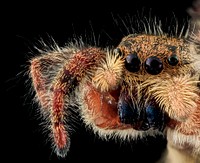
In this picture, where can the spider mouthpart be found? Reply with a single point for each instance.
(153, 118)
(173, 60)
(128, 112)
(132, 62)
(141, 116)
(153, 65)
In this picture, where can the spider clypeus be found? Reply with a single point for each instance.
(147, 85)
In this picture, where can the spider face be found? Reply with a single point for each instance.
(135, 87)
(145, 57)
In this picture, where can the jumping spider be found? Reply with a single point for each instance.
(147, 85)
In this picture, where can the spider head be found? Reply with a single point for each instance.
(156, 81)
(147, 55)
(146, 81)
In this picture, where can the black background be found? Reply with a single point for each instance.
(23, 24)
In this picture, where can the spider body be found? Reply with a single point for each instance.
(126, 92)
(147, 85)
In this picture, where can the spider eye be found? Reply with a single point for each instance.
(173, 60)
(118, 51)
(153, 65)
(132, 62)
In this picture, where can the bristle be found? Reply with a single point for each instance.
(108, 73)
(176, 95)
(184, 142)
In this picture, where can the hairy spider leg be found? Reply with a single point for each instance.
(42, 71)
(63, 88)
(191, 126)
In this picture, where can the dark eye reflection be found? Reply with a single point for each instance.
(153, 65)
(132, 62)
(173, 60)
(118, 51)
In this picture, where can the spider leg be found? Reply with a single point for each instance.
(63, 88)
(43, 69)
(185, 135)
(192, 125)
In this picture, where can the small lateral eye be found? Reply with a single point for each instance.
(173, 60)
(153, 65)
(132, 62)
(118, 51)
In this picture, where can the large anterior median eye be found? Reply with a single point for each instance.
(132, 62)
(153, 65)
